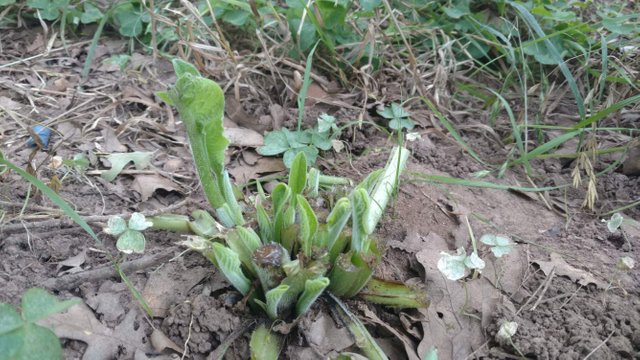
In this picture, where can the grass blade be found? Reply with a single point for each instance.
(438, 179)
(452, 130)
(364, 340)
(571, 81)
(606, 112)
(59, 201)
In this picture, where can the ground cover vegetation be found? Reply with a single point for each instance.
(543, 93)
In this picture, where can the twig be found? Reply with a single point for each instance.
(186, 342)
(219, 352)
(599, 345)
(544, 289)
(72, 281)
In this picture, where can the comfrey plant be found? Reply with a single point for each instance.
(283, 256)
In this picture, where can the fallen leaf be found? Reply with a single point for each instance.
(119, 160)
(238, 115)
(250, 157)
(160, 341)
(243, 173)
(103, 343)
(108, 305)
(244, 137)
(73, 263)
(8, 104)
(146, 185)
(169, 286)
(408, 344)
(314, 93)
(111, 143)
(564, 269)
(324, 336)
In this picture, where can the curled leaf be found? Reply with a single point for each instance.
(452, 266)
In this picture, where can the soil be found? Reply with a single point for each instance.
(560, 283)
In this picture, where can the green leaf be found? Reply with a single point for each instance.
(119, 60)
(308, 224)
(204, 224)
(38, 303)
(11, 342)
(264, 224)
(230, 199)
(130, 19)
(200, 103)
(229, 263)
(298, 174)
(7, 2)
(625, 263)
(181, 68)
(364, 340)
(621, 25)
(164, 96)
(131, 241)
(332, 12)
(297, 138)
(9, 319)
(310, 152)
(264, 344)
(473, 261)
(431, 354)
(275, 142)
(460, 9)
(321, 141)
(337, 220)
(115, 226)
(24, 340)
(244, 242)
(398, 117)
(402, 123)
(360, 203)
(80, 162)
(38, 343)
(236, 17)
(279, 196)
(274, 296)
(313, 182)
(49, 9)
(368, 5)
(137, 221)
(119, 160)
(500, 245)
(313, 288)
(396, 294)
(614, 223)
(325, 122)
(90, 14)
(452, 266)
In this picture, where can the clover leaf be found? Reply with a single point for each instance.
(398, 117)
(130, 236)
(500, 245)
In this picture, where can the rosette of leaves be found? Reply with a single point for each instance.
(290, 255)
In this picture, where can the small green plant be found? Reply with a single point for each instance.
(129, 233)
(455, 267)
(284, 256)
(21, 338)
(309, 141)
(398, 117)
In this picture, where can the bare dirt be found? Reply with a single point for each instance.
(560, 284)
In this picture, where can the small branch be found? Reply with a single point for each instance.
(72, 281)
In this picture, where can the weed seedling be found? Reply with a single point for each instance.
(21, 337)
(283, 256)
